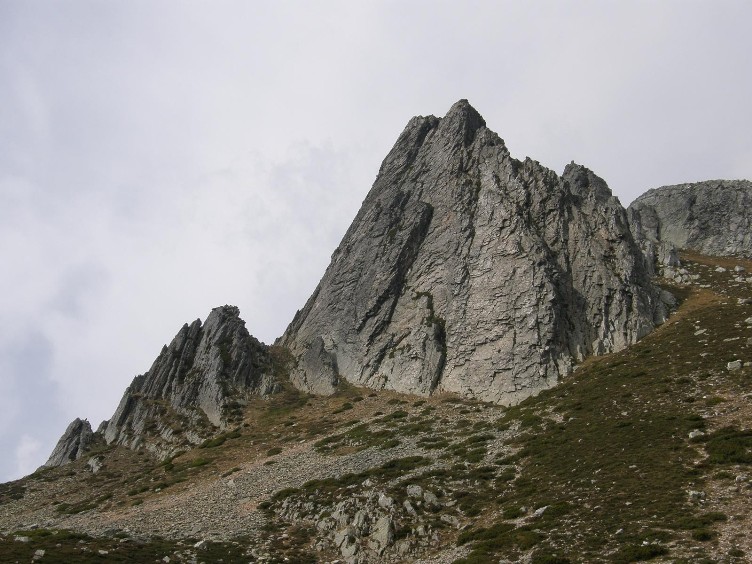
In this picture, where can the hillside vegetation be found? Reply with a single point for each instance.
(640, 455)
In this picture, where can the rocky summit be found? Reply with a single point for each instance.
(74, 443)
(469, 271)
(709, 217)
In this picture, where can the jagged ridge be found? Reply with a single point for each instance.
(196, 387)
(194, 384)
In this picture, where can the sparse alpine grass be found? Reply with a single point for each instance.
(601, 468)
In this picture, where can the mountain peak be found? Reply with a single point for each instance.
(72, 445)
(710, 217)
(424, 295)
(464, 108)
(462, 120)
(197, 377)
(584, 182)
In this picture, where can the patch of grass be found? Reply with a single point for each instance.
(513, 512)
(488, 542)
(62, 546)
(136, 491)
(471, 503)
(12, 491)
(344, 407)
(399, 414)
(703, 535)
(359, 437)
(547, 558)
(433, 442)
(639, 553)
(729, 446)
(198, 462)
(701, 521)
(281, 405)
(81, 506)
(219, 440)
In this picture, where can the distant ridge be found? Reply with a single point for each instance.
(712, 217)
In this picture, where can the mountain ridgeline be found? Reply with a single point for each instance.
(195, 388)
(464, 271)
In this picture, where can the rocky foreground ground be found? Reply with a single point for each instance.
(640, 455)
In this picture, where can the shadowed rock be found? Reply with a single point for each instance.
(72, 445)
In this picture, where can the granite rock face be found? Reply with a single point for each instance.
(195, 385)
(74, 443)
(711, 217)
(469, 271)
(195, 388)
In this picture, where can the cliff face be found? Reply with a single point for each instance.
(72, 445)
(469, 271)
(711, 217)
(194, 386)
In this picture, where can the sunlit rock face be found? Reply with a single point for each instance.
(469, 271)
(194, 383)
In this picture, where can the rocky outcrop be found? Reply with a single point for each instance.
(196, 385)
(469, 271)
(711, 217)
(74, 443)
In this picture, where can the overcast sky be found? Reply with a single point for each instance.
(158, 159)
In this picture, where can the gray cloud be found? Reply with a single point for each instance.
(28, 408)
(159, 159)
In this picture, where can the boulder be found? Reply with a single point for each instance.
(383, 534)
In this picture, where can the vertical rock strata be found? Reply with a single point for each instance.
(72, 445)
(469, 271)
(711, 217)
(194, 384)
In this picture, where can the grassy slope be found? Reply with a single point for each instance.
(607, 453)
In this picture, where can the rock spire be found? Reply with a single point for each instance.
(194, 384)
(469, 271)
(72, 445)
